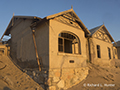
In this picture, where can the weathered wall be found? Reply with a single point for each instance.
(115, 53)
(66, 78)
(104, 60)
(61, 60)
(59, 69)
(118, 51)
(58, 79)
(42, 41)
(22, 47)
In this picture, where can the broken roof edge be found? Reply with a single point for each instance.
(27, 17)
(117, 44)
(24, 17)
(6, 29)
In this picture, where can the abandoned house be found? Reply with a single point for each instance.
(61, 43)
(101, 46)
(60, 40)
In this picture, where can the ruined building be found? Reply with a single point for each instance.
(60, 44)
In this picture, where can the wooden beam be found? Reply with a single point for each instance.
(33, 34)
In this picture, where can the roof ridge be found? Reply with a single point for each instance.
(29, 17)
(59, 13)
(95, 27)
(93, 30)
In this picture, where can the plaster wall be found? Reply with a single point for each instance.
(62, 60)
(118, 51)
(22, 47)
(115, 53)
(104, 60)
(42, 41)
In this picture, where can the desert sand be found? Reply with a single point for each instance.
(12, 78)
(99, 78)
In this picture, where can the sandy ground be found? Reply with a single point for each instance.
(99, 78)
(12, 78)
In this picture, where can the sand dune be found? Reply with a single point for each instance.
(12, 78)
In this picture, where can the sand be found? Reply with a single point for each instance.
(99, 78)
(12, 78)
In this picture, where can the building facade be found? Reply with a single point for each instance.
(61, 45)
(101, 47)
(58, 42)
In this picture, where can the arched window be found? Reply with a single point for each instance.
(69, 43)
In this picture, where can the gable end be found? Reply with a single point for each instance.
(101, 33)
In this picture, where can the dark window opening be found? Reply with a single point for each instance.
(68, 43)
(2, 51)
(98, 51)
(109, 53)
(71, 22)
(71, 61)
(67, 46)
(60, 44)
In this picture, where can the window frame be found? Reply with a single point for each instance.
(63, 43)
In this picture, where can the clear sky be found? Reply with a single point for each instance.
(92, 12)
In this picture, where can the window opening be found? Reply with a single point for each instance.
(1, 50)
(68, 43)
(98, 51)
(109, 53)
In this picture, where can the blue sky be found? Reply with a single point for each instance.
(92, 12)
